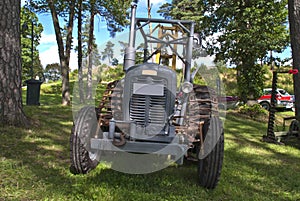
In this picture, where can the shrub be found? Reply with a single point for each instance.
(253, 111)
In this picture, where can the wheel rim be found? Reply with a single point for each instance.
(265, 106)
(93, 154)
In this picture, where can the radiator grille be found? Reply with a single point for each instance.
(145, 109)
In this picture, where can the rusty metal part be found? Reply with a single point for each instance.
(121, 142)
(107, 108)
(201, 137)
(203, 105)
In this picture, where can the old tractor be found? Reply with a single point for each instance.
(151, 118)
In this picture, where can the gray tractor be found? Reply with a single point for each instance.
(152, 118)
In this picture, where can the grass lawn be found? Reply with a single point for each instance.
(34, 165)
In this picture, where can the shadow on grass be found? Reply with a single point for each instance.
(40, 154)
(252, 170)
(258, 165)
(249, 133)
(258, 173)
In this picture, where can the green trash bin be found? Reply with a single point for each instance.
(33, 92)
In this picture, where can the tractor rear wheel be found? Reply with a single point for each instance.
(207, 129)
(210, 161)
(85, 127)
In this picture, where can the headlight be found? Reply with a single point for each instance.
(187, 87)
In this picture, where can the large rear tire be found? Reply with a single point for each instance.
(211, 159)
(83, 158)
(207, 129)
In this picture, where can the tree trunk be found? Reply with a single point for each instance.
(65, 71)
(79, 33)
(294, 20)
(90, 53)
(11, 110)
(64, 57)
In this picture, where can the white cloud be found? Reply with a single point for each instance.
(50, 56)
(49, 51)
(47, 38)
(154, 2)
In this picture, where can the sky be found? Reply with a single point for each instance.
(48, 47)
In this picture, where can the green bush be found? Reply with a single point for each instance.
(54, 87)
(253, 110)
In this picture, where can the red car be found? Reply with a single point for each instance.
(283, 99)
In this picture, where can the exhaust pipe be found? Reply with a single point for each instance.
(129, 57)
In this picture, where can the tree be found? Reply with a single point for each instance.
(253, 28)
(79, 35)
(11, 109)
(64, 53)
(294, 19)
(185, 9)
(112, 11)
(123, 47)
(115, 62)
(108, 52)
(52, 71)
(90, 50)
(66, 10)
(28, 19)
(247, 31)
(91, 43)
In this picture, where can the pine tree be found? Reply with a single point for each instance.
(11, 110)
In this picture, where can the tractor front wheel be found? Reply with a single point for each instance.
(83, 157)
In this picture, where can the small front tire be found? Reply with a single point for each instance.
(83, 158)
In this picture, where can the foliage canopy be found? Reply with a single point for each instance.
(240, 32)
(29, 19)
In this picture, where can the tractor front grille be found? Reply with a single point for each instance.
(148, 109)
(145, 110)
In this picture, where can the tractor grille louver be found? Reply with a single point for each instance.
(146, 109)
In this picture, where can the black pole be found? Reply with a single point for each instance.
(32, 39)
(270, 137)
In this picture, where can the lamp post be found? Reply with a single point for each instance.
(33, 86)
(32, 39)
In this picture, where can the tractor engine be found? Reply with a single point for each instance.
(149, 100)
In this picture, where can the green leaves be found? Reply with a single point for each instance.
(28, 21)
(108, 52)
(247, 31)
(254, 29)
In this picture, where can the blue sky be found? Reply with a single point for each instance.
(48, 46)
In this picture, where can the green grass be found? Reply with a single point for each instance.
(35, 163)
(50, 93)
